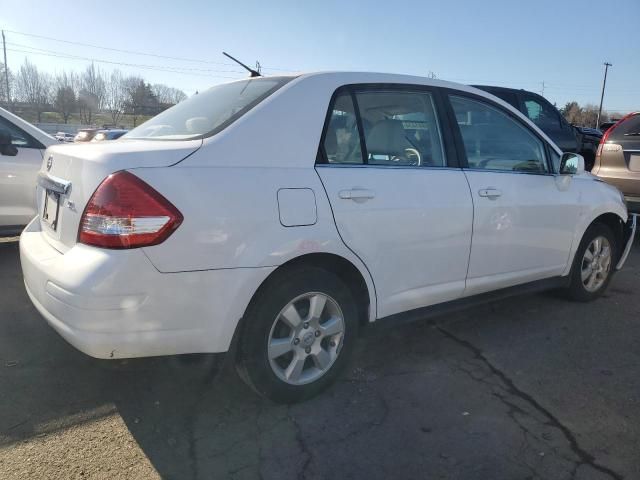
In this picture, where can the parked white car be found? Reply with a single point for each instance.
(281, 214)
(64, 137)
(21, 148)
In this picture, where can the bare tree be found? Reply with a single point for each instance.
(33, 87)
(590, 115)
(65, 100)
(115, 96)
(583, 116)
(87, 106)
(91, 94)
(177, 96)
(167, 96)
(3, 84)
(162, 92)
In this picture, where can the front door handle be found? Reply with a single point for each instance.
(357, 194)
(491, 193)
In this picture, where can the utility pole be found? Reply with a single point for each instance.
(604, 83)
(542, 92)
(6, 72)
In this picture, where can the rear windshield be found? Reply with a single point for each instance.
(208, 112)
(628, 129)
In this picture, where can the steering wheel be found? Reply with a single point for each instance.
(411, 156)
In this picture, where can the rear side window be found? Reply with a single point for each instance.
(629, 129)
(342, 139)
(495, 141)
(400, 128)
(541, 113)
(508, 97)
(208, 112)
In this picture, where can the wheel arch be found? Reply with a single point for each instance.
(352, 276)
(612, 220)
(616, 224)
(358, 281)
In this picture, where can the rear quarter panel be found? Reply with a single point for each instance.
(231, 218)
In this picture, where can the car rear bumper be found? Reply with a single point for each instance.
(629, 236)
(115, 304)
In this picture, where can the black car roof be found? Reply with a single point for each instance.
(506, 89)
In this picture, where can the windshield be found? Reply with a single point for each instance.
(208, 112)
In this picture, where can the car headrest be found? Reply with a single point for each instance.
(387, 137)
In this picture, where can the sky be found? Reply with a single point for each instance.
(518, 44)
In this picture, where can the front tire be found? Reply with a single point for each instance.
(297, 334)
(593, 265)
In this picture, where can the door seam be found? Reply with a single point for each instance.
(473, 221)
(335, 223)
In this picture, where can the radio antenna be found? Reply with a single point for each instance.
(252, 72)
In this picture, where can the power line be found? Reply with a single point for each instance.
(55, 52)
(132, 52)
(146, 67)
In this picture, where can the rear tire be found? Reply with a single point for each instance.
(297, 334)
(593, 265)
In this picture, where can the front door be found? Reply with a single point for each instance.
(524, 215)
(397, 202)
(18, 178)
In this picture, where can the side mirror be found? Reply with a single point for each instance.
(6, 147)
(571, 164)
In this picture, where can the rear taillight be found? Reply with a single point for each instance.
(125, 212)
(609, 131)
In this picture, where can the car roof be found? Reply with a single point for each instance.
(31, 129)
(506, 89)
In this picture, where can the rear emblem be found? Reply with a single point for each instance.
(49, 162)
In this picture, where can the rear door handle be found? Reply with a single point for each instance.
(491, 193)
(356, 194)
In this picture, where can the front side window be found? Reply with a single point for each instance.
(400, 128)
(342, 138)
(18, 137)
(542, 114)
(495, 141)
(208, 112)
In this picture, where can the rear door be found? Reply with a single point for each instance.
(399, 201)
(18, 177)
(524, 217)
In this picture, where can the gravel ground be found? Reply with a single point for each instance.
(525, 388)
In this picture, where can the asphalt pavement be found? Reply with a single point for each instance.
(533, 387)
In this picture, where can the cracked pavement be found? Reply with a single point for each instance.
(533, 387)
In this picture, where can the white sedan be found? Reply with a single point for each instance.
(282, 214)
(21, 148)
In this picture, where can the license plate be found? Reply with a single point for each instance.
(51, 209)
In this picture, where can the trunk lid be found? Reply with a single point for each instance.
(82, 167)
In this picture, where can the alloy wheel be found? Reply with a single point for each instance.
(596, 264)
(306, 338)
